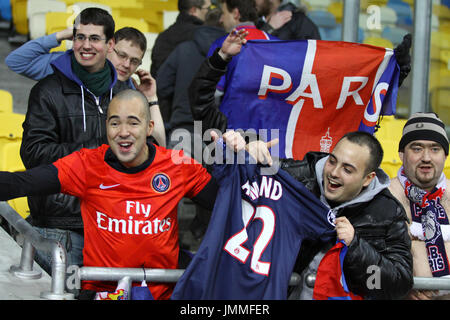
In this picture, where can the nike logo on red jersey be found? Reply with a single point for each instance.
(103, 187)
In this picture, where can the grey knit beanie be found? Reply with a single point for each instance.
(424, 126)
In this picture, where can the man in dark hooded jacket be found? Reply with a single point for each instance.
(285, 21)
(192, 14)
(67, 112)
(177, 72)
(371, 220)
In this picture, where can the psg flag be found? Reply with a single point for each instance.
(309, 93)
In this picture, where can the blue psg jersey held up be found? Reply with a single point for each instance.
(254, 236)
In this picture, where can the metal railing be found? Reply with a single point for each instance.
(422, 283)
(32, 240)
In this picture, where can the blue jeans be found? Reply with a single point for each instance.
(70, 240)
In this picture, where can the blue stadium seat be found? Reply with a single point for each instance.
(5, 10)
(403, 11)
(394, 34)
(335, 33)
(323, 19)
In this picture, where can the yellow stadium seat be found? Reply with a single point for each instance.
(10, 141)
(11, 161)
(19, 16)
(57, 21)
(378, 2)
(440, 102)
(6, 101)
(83, 5)
(120, 3)
(154, 18)
(160, 6)
(379, 42)
(440, 39)
(442, 12)
(11, 127)
(445, 27)
(318, 4)
(139, 24)
(336, 8)
(389, 135)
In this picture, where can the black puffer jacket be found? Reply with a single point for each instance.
(300, 27)
(183, 29)
(381, 236)
(381, 233)
(176, 73)
(58, 122)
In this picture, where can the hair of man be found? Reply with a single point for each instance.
(375, 149)
(185, 5)
(97, 17)
(247, 9)
(131, 34)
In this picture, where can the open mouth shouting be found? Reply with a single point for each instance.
(125, 146)
(332, 185)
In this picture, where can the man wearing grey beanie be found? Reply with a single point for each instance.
(421, 187)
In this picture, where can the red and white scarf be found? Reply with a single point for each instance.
(429, 221)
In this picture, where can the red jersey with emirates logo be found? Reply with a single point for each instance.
(130, 220)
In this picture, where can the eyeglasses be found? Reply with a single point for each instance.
(124, 57)
(92, 38)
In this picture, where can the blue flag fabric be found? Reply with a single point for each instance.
(254, 235)
(309, 93)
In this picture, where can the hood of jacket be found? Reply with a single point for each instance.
(184, 17)
(204, 36)
(64, 65)
(380, 182)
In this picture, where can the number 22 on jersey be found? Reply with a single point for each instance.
(234, 245)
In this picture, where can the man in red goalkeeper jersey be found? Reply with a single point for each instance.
(129, 192)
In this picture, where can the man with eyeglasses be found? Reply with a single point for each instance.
(67, 112)
(33, 60)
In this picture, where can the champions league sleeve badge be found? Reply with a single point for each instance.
(160, 182)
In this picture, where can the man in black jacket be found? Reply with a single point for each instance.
(369, 219)
(67, 112)
(192, 14)
(285, 21)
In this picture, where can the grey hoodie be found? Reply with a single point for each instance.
(380, 182)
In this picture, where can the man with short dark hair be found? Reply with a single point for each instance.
(34, 60)
(129, 190)
(422, 188)
(237, 15)
(285, 20)
(192, 14)
(369, 220)
(66, 112)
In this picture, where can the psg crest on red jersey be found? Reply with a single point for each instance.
(160, 182)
